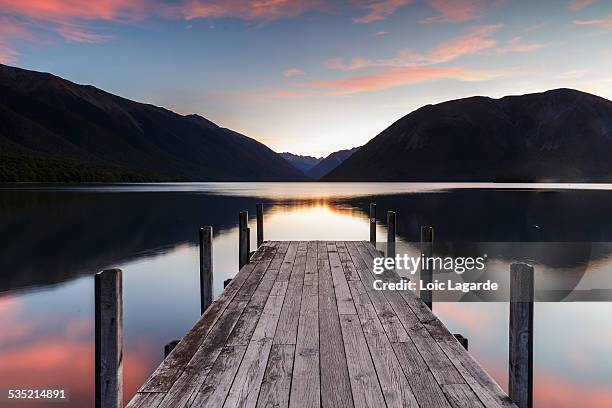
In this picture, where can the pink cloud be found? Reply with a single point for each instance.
(477, 40)
(289, 94)
(395, 77)
(576, 5)
(601, 22)
(459, 10)
(380, 10)
(11, 31)
(516, 44)
(247, 9)
(75, 33)
(292, 72)
(72, 9)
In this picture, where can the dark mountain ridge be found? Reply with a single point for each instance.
(561, 135)
(330, 162)
(302, 163)
(52, 129)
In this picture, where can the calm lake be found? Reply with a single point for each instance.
(54, 239)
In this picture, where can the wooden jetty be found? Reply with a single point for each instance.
(301, 325)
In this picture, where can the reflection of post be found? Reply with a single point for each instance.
(260, 222)
(373, 223)
(520, 375)
(243, 234)
(391, 234)
(426, 266)
(108, 287)
(206, 267)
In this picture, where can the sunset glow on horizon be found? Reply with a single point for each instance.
(312, 76)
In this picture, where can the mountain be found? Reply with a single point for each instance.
(52, 129)
(561, 135)
(330, 162)
(302, 163)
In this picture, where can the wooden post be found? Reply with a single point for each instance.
(108, 287)
(391, 234)
(373, 223)
(206, 268)
(243, 251)
(462, 340)
(520, 375)
(248, 245)
(426, 269)
(260, 223)
(169, 347)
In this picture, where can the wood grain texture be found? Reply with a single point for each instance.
(335, 383)
(109, 339)
(302, 326)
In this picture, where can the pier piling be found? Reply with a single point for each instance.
(108, 286)
(206, 268)
(520, 375)
(391, 234)
(373, 223)
(243, 238)
(426, 268)
(260, 225)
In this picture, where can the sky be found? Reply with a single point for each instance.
(312, 76)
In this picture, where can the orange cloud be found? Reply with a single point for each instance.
(576, 5)
(602, 22)
(396, 77)
(479, 39)
(459, 10)
(380, 10)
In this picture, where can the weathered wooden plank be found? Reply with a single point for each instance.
(288, 261)
(395, 387)
(311, 274)
(171, 368)
(146, 400)
(392, 325)
(488, 391)
(364, 382)
(343, 294)
(286, 332)
(461, 396)
(214, 390)
(424, 386)
(439, 364)
(242, 333)
(183, 390)
(247, 383)
(276, 384)
(305, 386)
(335, 383)
(347, 263)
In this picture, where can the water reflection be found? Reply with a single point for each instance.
(53, 239)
